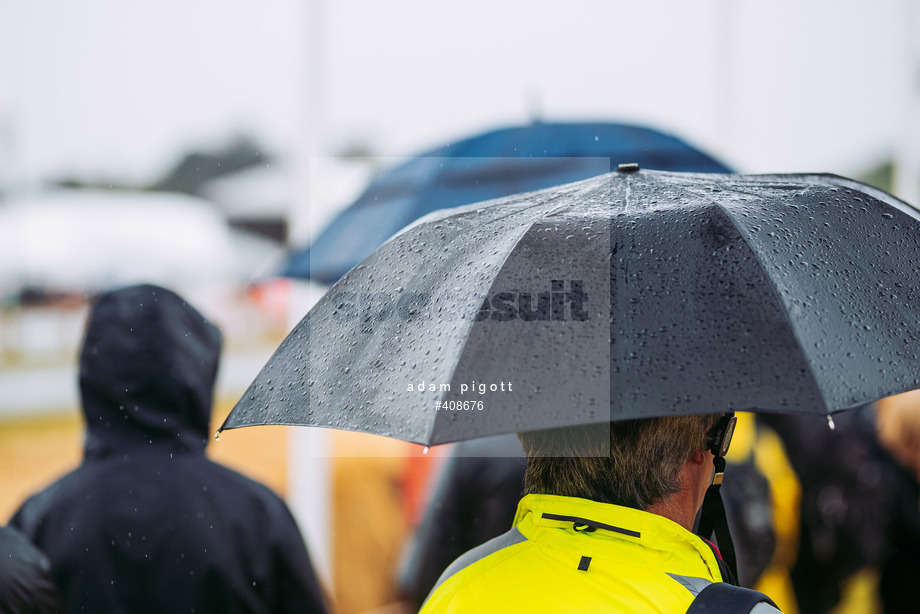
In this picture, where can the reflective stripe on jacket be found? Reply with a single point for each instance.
(566, 554)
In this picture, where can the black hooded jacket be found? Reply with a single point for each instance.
(147, 523)
(26, 586)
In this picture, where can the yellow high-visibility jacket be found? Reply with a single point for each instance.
(566, 554)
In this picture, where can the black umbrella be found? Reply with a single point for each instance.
(633, 294)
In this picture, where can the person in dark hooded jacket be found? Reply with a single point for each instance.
(147, 523)
(26, 586)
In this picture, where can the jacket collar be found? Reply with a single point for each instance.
(612, 530)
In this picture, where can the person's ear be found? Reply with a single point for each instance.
(698, 457)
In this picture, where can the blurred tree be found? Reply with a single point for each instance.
(190, 173)
(198, 167)
(881, 175)
(72, 183)
(358, 149)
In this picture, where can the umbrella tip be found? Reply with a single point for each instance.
(830, 422)
(629, 167)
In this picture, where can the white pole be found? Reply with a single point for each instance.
(724, 104)
(907, 157)
(309, 467)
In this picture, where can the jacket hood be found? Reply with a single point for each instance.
(147, 370)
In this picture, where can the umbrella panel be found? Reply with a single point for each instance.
(544, 327)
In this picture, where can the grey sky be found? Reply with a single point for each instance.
(112, 88)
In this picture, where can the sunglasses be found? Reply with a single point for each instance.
(719, 436)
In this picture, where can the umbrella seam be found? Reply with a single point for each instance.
(778, 296)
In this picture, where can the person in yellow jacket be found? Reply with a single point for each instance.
(605, 526)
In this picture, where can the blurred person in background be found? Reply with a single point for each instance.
(147, 523)
(472, 500)
(859, 507)
(26, 586)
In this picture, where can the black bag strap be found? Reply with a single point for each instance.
(721, 597)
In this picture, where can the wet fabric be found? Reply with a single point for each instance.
(579, 555)
(26, 585)
(147, 523)
(635, 294)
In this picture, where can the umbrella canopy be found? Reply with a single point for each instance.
(490, 165)
(634, 294)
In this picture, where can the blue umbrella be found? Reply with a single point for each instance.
(490, 165)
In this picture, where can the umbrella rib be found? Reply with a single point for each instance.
(778, 297)
(825, 179)
(438, 215)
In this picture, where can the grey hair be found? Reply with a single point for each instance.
(634, 463)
